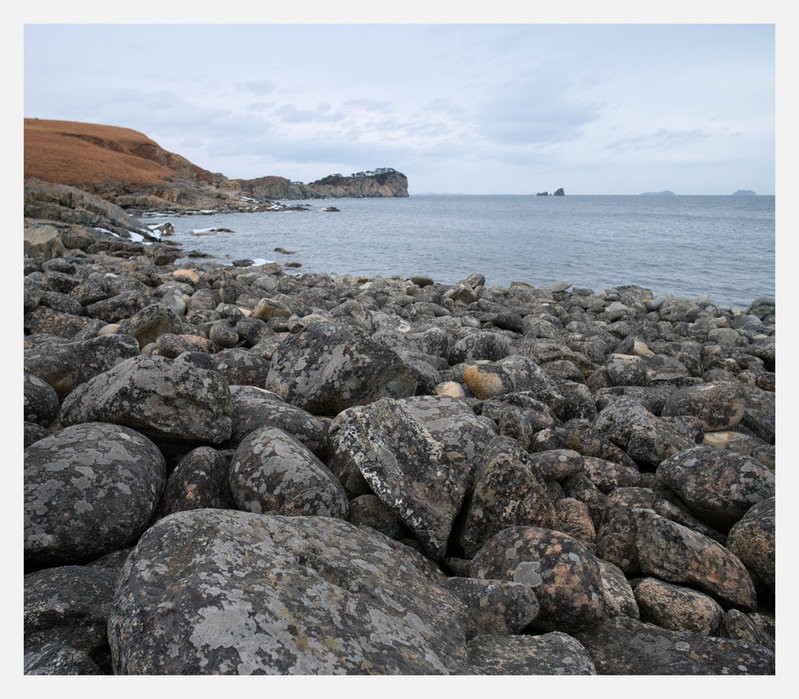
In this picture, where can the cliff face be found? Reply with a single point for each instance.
(129, 169)
(383, 182)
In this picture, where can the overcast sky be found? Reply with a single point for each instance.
(471, 108)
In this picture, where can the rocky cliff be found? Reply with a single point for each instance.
(132, 171)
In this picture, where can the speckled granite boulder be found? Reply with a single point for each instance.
(495, 606)
(564, 574)
(675, 553)
(553, 653)
(678, 608)
(753, 540)
(68, 605)
(719, 486)
(253, 407)
(508, 492)
(642, 435)
(159, 397)
(271, 471)
(199, 480)
(224, 592)
(58, 659)
(624, 646)
(56, 363)
(719, 405)
(626, 370)
(609, 475)
(619, 596)
(405, 464)
(331, 366)
(89, 489)
(481, 344)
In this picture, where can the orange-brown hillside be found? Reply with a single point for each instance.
(93, 155)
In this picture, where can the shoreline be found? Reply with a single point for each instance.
(421, 477)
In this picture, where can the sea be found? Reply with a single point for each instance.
(722, 247)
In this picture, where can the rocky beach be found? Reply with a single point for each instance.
(250, 469)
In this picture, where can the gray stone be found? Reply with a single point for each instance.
(554, 653)
(89, 490)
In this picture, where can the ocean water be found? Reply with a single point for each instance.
(720, 246)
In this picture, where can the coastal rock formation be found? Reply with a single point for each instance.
(243, 469)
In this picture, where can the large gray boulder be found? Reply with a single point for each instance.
(225, 592)
(89, 489)
(554, 653)
(331, 366)
(162, 398)
(624, 646)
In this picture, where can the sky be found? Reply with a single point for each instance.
(477, 108)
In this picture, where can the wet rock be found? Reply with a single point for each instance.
(89, 489)
(563, 573)
(675, 553)
(678, 608)
(553, 653)
(279, 595)
(271, 471)
(161, 398)
(624, 646)
(718, 486)
(330, 366)
(199, 480)
(753, 540)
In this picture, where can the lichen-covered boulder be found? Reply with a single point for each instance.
(642, 435)
(199, 480)
(507, 492)
(89, 489)
(563, 573)
(402, 461)
(331, 366)
(554, 653)
(270, 471)
(626, 370)
(241, 367)
(226, 592)
(609, 475)
(624, 646)
(495, 606)
(619, 596)
(253, 407)
(370, 511)
(68, 605)
(162, 398)
(56, 363)
(720, 405)
(719, 486)
(675, 553)
(753, 540)
(678, 608)
(40, 401)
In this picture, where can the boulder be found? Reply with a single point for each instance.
(554, 653)
(624, 646)
(719, 405)
(282, 596)
(199, 480)
(563, 573)
(753, 539)
(40, 401)
(718, 486)
(159, 397)
(331, 366)
(271, 471)
(678, 608)
(89, 489)
(58, 659)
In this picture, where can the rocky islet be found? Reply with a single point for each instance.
(243, 470)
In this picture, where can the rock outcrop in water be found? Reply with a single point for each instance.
(247, 471)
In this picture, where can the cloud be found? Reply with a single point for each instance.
(662, 139)
(257, 87)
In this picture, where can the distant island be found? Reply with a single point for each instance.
(664, 193)
(744, 193)
(558, 193)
